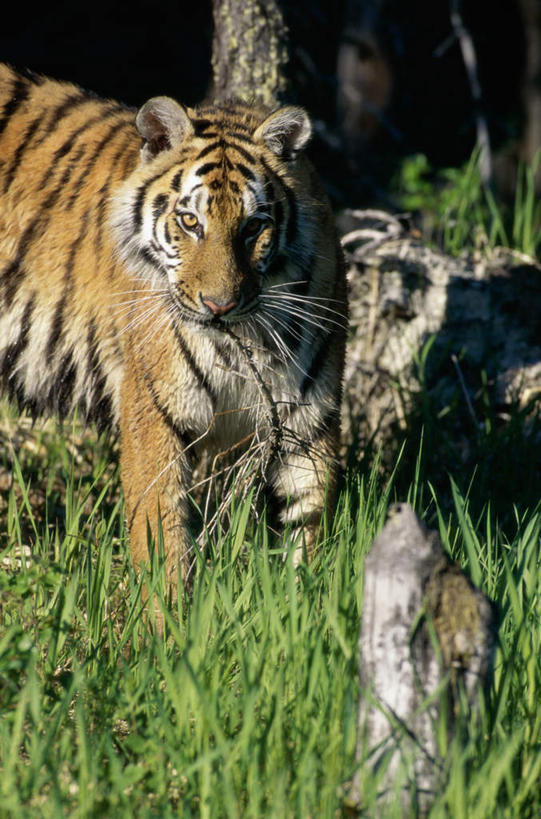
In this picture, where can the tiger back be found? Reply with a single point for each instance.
(175, 274)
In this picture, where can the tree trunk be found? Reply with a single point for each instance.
(249, 51)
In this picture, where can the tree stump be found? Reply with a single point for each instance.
(427, 638)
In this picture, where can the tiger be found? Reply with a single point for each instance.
(174, 274)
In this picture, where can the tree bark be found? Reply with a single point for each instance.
(249, 51)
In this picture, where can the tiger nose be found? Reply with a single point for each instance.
(219, 309)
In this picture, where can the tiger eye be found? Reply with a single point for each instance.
(253, 227)
(189, 220)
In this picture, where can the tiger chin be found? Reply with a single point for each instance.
(175, 274)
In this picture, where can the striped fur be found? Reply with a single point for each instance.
(189, 292)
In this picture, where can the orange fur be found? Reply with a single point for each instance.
(182, 292)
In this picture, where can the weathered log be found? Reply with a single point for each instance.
(427, 639)
(481, 313)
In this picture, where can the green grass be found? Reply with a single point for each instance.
(246, 706)
(459, 211)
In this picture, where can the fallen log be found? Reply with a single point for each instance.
(478, 313)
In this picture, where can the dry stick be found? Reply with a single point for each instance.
(272, 412)
(455, 361)
(470, 62)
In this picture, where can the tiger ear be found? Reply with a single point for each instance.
(286, 131)
(163, 124)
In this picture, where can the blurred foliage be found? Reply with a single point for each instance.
(456, 210)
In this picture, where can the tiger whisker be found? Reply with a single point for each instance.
(286, 284)
(280, 344)
(141, 318)
(304, 314)
(312, 300)
(138, 290)
(151, 333)
(285, 325)
(138, 300)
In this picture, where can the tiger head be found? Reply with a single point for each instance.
(217, 209)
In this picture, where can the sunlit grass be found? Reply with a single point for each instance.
(247, 704)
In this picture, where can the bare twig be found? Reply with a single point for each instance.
(470, 62)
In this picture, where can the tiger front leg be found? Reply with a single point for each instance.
(304, 488)
(156, 473)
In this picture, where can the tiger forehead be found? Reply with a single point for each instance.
(221, 191)
(236, 116)
(220, 170)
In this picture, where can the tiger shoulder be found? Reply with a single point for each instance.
(174, 273)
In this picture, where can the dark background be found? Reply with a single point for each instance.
(134, 51)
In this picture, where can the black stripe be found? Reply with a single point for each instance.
(278, 214)
(186, 199)
(158, 204)
(150, 258)
(276, 265)
(57, 324)
(68, 144)
(318, 359)
(103, 201)
(245, 171)
(240, 150)
(207, 167)
(104, 114)
(63, 394)
(209, 148)
(236, 135)
(201, 125)
(137, 213)
(128, 166)
(13, 273)
(198, 374)
(184, 435)
(89, 163)
(166, 233)
(291, 228)
(56, 328)
(12, 277)
(100, 407)
(19, 94)
(13, 351)
(66, 107)
(176, 181)
(17, 157)
(35, 79)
